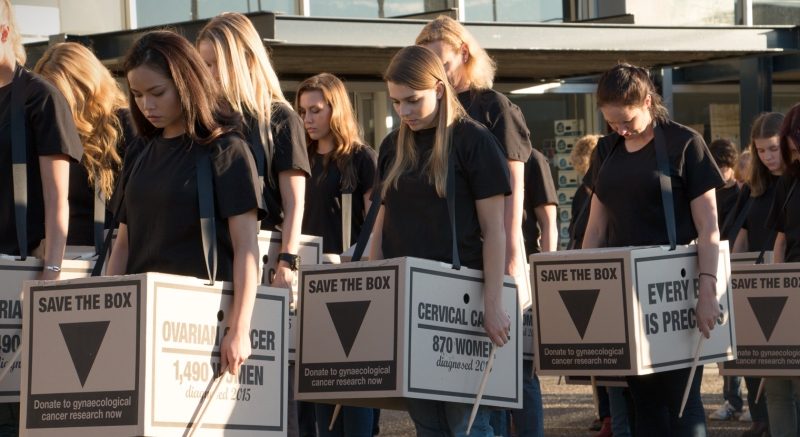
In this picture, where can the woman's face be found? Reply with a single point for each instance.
(416, 108)
(157, 99)
(453, 60)
(209, 56)
(628, 121)
(769, 153)
(316, 114)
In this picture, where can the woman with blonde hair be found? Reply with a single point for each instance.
(233, 51)
(99, 110)
(435, 138)
(340, 165)
(471, 72)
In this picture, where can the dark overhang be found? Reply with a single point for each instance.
(358, 48)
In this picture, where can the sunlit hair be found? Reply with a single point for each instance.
(206, 114)
(581, 154)
(420, 69)
(629, 85)
(741, 172)
(479, 68)
(246, 76)
(766, 125)
(790, 129)
(14, 37)
(95, 99)
(344, 127)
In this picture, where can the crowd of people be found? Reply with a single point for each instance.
(208, 120)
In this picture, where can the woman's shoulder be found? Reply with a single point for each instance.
(678, 132)
(489, 98)
(282, 113)
(363, 151)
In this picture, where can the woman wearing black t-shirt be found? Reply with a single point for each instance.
(179, 114)
(413, 163)
(627, 211)
(783, 394)
(234, 52)
(340, 163)
(100, 112)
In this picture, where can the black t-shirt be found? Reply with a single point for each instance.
(503, 118)
(539, 190)
(416, 220)
(160, 204)
(289, 153)
(759, 237)
(629, 188)
(787, 219)
(50, 130)
(81, 194)
(578, 222)
(323, 207)
(726, 200)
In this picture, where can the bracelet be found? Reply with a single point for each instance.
(53, 268)
(714, 277)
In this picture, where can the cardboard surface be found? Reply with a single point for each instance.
(568, 127)
(564, 144)
(767, 304)
(562, 161)
(136, 355)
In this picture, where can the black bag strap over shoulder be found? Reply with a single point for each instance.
(369, 220)
(760, 259)
(731, 230)
(19, 161)
(205, 198)
(666, 185)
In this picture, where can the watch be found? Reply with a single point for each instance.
(292, 260)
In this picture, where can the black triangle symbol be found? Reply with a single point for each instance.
(580, 306)
(767, 310)
(83, 342)
(347, 319)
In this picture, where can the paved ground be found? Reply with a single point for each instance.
(568, 410)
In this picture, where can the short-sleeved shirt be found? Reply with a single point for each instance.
(539, 191)
(628, 185)
(759, 237)
(726, 200)
(416, 220)
(784, 215)
(82, 195)
(503, 118)
(323, 207)
(160, 205)
(289, 153)
(50, 130)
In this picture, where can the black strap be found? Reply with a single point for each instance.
(369, 223)
(733, 232)
(97, 270)
(19, 162)
(205, 198)
(760, 259)
(666, 185)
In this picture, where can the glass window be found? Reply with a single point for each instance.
(514, 10)
(210, 8)
(771, 12)
(155, 12)
(373, 8)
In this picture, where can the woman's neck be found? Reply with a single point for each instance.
(636, 142)
(325, 145)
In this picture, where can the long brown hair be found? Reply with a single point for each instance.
(206, 114)
(790, 128)
(629, 85)
(420, 69)
(346, 131)
(14, 37)
(766, 125)
(95, 99)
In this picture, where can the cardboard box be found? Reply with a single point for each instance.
(624, 311)
(568, 127)
(767, 306)
(135, 355)
(564, 213)
(567, 178)
(374, 332)
(563, 230)
(750, 257)
(565, 195)
(564, 144)
(13, 274)
(600, 381)
(562, 161)
(269, 246)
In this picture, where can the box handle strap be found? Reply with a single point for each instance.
(205, 199)
(19, 162)
(760, 259)
(666, 185)
(347, 219)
